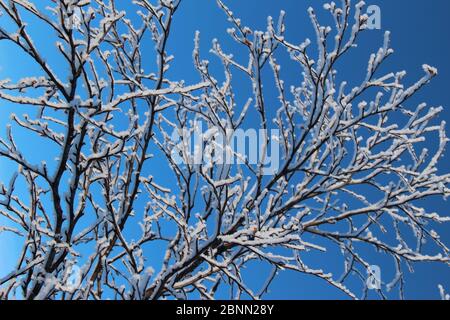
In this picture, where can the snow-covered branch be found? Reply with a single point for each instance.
(347, 178)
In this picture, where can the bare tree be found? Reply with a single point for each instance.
(348, 176)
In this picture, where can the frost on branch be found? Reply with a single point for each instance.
(349, 180)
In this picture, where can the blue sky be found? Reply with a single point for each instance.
(420, 34)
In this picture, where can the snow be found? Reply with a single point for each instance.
(115, 137)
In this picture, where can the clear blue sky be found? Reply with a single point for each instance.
(420, 34)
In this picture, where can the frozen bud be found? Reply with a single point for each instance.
(430, 70)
